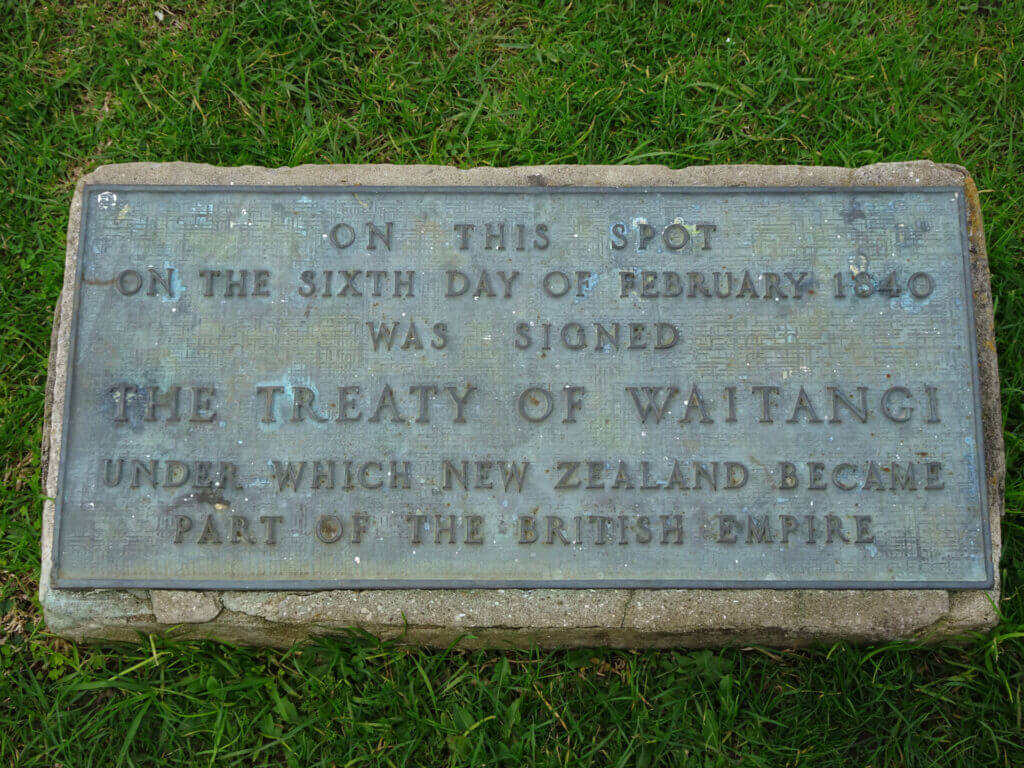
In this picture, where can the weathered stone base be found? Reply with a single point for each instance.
(545, 617)
(520, 618)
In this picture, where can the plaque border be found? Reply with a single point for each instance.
(283, 585)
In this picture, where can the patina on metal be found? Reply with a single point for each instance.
(306, 388)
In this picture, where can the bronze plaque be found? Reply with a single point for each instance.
(324, 387)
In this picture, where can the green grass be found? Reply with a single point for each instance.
(275, 83)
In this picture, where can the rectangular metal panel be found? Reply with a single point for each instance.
(499, 387)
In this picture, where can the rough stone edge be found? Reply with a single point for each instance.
(549, 618)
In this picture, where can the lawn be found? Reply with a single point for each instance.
(282, 83)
